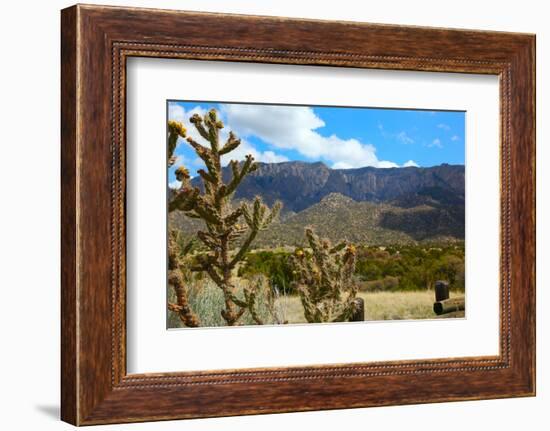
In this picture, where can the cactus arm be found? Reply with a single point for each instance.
(233, 217)
(175, 279)
(250, 299)
(256, 222)
(231, 144)
(196, 120)
(175, 130)
(206, 177)
(238, 174)
(184, 200)
(207, 157)
(172, 142)
(243, 249)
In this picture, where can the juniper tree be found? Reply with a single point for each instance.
(324, 279)
(230, 231)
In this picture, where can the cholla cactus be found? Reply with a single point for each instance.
(325, 279)
(226, 237)
(177, 251)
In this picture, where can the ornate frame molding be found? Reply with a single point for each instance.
(96, 41)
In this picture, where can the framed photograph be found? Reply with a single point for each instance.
(264, 215)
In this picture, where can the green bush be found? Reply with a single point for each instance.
(275, 265)
(395, 268)
(415, 266)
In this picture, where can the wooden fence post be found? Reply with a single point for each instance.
(441, 290)
(449, 305)
(359, 313)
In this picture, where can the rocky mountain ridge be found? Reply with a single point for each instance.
(366, 205)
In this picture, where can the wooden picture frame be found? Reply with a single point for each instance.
(95, 43)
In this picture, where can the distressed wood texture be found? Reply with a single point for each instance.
(95, 43)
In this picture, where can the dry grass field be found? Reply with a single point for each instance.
(378, 306)
(207, 301)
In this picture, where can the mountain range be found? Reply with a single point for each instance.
(365, 205)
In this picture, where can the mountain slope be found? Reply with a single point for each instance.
(339, 217)
(299, 185)
(367, 205)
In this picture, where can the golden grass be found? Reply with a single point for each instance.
(208, 301)
(378, 306)
(398, 305)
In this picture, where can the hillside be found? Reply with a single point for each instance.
(367, 205)
(298, 185)
(339, 217)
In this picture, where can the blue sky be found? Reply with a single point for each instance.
(341, 137)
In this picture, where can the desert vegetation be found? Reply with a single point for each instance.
(396, 268)
(324, 279)
(225, 238)
(219, 274)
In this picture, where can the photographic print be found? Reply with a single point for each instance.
(287, 214)
(291, 208)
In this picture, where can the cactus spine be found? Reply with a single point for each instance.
(325, 279)
(225, 238)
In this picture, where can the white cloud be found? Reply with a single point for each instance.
(246, 148)
(404, 138)
(401, 137)
(287, 128)
(455, 138)
(444, 126)
(271, 157)
(436, 143)
(174, 184)
(178, 113)
(294, 128)
(342, 165)
(180, 160)
(381, 164)
(385, 164)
